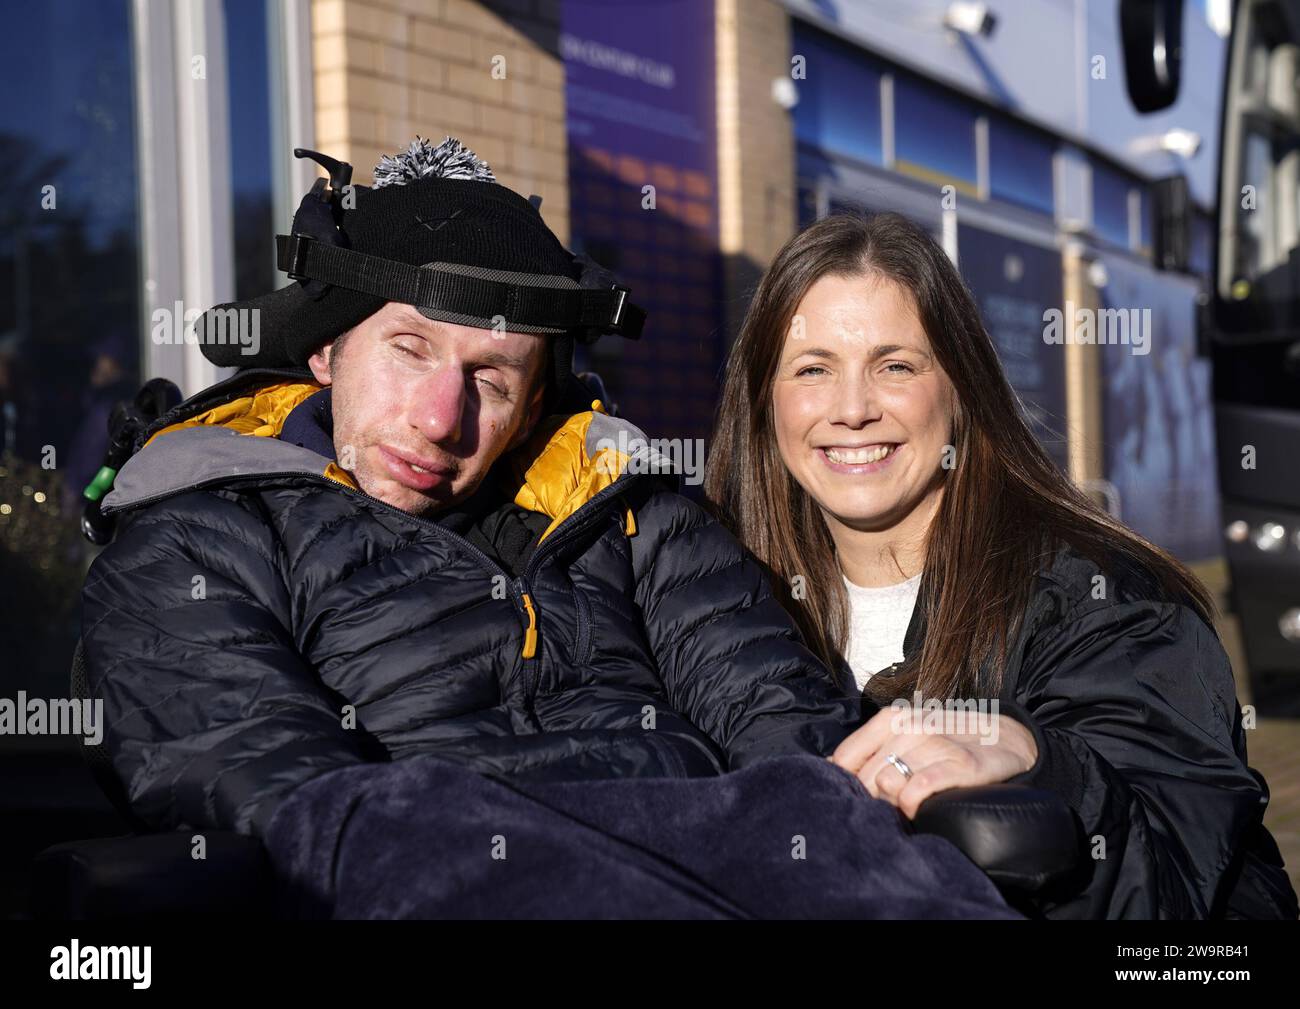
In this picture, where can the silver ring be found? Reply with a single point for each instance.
(900, 764)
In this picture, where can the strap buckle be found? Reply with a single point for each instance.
(291, 253)
(621, 295)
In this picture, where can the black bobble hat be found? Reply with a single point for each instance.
(438, 232)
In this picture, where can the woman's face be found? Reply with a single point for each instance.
(861, 408)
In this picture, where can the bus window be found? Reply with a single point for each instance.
(1257, 278)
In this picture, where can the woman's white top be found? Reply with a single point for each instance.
(878, 619)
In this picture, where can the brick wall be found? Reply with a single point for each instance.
(755, 145)
(386, 70)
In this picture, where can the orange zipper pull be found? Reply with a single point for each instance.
(530, 635)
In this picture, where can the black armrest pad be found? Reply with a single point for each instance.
(152, 874)
(1024, 838)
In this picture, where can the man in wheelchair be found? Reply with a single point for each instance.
(388, 602)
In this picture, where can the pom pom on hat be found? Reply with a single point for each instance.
(422, 160)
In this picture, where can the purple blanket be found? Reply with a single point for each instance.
(788, 837)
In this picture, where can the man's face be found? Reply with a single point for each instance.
(422, 409)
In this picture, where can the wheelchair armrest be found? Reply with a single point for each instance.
(150, 875)
(1025, 839)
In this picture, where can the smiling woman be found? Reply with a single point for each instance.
(861, 353)
(863, 338)
(871, 453)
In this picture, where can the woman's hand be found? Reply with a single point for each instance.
(988, 748)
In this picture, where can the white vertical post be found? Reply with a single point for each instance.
(203, 144)
(823, 197)
(158, 196)
(949, 225)
(293, 114)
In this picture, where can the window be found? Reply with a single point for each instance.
(839, 98)
(934, 135)
(70, 333)
(1014, 284)
(1141, 228)
(249, 85)
(1201, 255)
(1020, 165)
(1111, 206)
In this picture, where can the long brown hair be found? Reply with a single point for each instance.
(1005, 506)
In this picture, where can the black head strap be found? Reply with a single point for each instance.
(581, 309)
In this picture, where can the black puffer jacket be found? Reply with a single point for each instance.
(259, 621)
(1132, 704)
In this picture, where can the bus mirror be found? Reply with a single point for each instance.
(1152, 33)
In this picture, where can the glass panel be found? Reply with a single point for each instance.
(1110, 191)
(1015, 283)
(1145, 209)
(934, 135)
(69, 310)
(1201, 257)
(250, 147)
(1259, 264)
(1020, 165)
(1157, 414)
(839, 99)
(623, 133)
(1265, 242)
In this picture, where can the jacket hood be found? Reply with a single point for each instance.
(566, 463)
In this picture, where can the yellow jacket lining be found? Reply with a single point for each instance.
(552, 473)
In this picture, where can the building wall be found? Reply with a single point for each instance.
(1056, 41)
(387, 70)
(641, 95)
(755, 145)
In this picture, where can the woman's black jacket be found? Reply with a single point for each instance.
(1131, 701)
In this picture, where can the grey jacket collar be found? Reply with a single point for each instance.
(204, 456)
